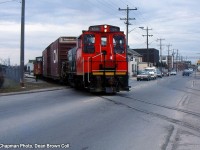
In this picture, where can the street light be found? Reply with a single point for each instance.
(135, 28)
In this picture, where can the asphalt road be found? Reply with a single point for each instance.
(163, 114)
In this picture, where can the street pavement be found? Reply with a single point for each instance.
(162, 114)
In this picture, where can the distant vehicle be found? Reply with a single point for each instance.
(143, 75)
(152, 71)
(159, 74)
(173, 72)
(165, 73)
(191, 69)
(186, 72)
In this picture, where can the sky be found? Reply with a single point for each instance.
(177, 22)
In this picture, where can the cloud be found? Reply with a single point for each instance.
(176, 21)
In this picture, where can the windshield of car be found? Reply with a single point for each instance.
(144, 72)
(150, 70)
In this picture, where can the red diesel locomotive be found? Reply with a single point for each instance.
(99, 62)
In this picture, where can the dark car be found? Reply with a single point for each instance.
(144, 75)
(165, 73)
(186, 72)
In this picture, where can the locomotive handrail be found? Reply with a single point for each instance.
(100, 51)
(89, 69)
(111, 50)
(97, 55)
(121, 55)
(83, 71)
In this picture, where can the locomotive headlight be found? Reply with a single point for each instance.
(105, 28)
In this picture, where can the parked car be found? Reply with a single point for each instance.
(144, 75)
(165, 73)
(152, 71)
(186, 72)
(159, 74)
(173, 72)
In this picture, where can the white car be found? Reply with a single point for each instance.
(152, 71)
(173, 72)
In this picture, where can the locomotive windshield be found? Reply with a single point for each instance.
(119, 44)
(89, 40)
(103, 41)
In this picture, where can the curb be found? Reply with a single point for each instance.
(33, 91)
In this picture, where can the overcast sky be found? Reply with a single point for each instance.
(176, 21)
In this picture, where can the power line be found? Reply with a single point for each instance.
(7, 1)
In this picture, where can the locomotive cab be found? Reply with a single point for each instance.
(100, 60)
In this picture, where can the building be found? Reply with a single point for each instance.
(29, 66)
(167, 61)
(133, 60)
(198, 65)
(151, 56)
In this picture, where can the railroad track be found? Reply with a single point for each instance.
(158, 115)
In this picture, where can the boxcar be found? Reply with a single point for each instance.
(55, 55)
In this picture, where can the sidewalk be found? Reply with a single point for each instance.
(196, 81)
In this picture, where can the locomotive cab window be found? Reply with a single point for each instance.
(89, 41)
(103, 41)
(119, 44)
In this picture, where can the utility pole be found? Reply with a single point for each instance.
(147, 35)
(160, 52)
(173, 53)
(168, 56)
(177, 60)
(22, 45)
(127, 23)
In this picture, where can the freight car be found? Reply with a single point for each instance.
(38, 67)
(54, 56)
(99, 62)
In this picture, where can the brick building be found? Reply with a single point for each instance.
(152, 54)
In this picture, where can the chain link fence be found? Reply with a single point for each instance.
(13, 73)
(1, 76)
(9, 72)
